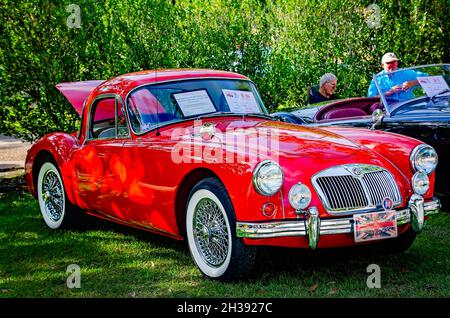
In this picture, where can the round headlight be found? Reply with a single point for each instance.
(424, 158)
(299, 196)
(420, 183)
(267, 178)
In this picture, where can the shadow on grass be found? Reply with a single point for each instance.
(113, 258)
(118, 261)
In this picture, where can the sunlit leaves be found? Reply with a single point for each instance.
(284, 46)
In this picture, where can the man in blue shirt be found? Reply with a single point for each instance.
(396, 86)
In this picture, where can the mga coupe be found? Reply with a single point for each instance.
(421, 112)
(193, 154)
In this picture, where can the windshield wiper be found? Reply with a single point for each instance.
(221, 113)
(440, 93)
(215, 114)
(258, 115)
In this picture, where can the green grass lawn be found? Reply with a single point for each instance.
(119, 262)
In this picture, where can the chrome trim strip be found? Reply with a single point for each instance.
(432, 207)
(327, 226)
(403, 216)
(282, 202)
(336, 226)
(272, 229)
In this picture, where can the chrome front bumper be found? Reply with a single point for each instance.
(313, 226)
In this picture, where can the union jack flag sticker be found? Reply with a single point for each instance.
(375, 226)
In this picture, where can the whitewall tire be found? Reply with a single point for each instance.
(211, 233)
(55, 207)
(209, 241)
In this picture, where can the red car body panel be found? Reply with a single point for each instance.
(135, 181)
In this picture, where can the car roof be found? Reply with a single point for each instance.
(124, 83)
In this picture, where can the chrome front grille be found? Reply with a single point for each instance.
(343, 192)
(353, 188)
(381, 185)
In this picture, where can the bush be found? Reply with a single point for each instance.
(283, 46)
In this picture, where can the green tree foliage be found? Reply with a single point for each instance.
(284, 46)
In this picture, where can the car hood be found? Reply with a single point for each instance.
(283, 138)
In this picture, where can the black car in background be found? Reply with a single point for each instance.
(422, 112)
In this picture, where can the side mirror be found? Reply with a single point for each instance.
(377, 118)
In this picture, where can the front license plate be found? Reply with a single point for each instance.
(375, 226)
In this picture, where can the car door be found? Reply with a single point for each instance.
(99, 166)
(151, 177)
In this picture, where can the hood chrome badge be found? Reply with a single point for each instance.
(207, 131)
(357, 171)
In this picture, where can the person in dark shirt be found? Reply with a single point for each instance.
(325, 90)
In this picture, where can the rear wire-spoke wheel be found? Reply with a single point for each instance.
(211, 233)
(56, 209)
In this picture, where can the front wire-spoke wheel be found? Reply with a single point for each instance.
(211, 227)
(211, 233)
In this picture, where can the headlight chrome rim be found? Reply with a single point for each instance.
(415, 156)
(420, 190)
(305, 192)
(256, 178)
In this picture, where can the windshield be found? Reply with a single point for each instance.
(154, 104)
(414, 84)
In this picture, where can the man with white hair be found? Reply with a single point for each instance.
(327, 86)
(394, 85)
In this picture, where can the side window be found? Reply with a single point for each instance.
(107, 120)
(122, 127)
(103, 117)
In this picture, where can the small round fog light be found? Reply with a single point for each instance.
(299, 196)
(420, 183)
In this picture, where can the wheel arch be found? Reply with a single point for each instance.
(57, 147)
(182, 195)
(41, 157)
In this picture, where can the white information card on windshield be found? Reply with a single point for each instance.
(241, 102)
(432, 85)
(194, 103)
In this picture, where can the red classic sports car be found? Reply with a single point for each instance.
(193, 154)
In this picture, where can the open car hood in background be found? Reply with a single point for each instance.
(77, 92)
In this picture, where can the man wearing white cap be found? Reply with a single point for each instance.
(394, 85)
